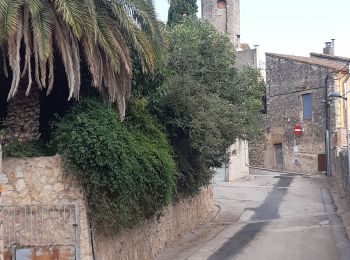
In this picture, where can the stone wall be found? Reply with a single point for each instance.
(149, 239)
(258, 147)
(228, 22)
(287, 81)
(339, 172)
(23, 112)
(40, 181)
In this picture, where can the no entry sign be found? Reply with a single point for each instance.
(298, 131)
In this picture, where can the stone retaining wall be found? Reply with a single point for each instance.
(340, 173)
(150, 238)
(40, 181)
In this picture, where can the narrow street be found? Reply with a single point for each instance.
(270, 216)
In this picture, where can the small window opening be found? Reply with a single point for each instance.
(221, 4)
(307, 106)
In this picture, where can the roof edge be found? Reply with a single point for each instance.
(295, 59)
(331, 57)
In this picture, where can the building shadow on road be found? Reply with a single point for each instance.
(267, 211)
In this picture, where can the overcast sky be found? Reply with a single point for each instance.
(295, 27)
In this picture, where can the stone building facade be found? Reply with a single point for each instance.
(295, 95)
(225, 16)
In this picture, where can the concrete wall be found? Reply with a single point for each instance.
(238, 165)
(287, 81)
(40, 181)
(246, 58)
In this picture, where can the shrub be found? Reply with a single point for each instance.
(35, 148)
(126, 168)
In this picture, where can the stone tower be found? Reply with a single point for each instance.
(225, 16)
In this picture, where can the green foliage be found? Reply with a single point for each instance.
(145, 84)
(180, 9)
(205, 103)
(36, 148)
(126, 168)
(252, 89)
(2, 127)
(98, 33)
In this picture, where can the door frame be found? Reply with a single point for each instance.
(275, 164)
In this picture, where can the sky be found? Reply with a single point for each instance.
(295, 27)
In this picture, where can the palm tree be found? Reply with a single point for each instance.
(101, 30)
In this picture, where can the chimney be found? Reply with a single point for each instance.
(329, 49)
(238, 43)
(256, 56)
(333, 48)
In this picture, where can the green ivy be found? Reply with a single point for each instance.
(34, 148)
(126, 168)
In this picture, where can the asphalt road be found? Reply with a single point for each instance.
(270, 216)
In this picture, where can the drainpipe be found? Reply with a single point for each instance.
(327, 134)
(0, 168)
(92, 240)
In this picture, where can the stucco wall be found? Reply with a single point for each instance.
(246, 58)
(239, 161)
(40, 181)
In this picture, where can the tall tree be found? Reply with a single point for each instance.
(101, 30)
(205, 103)
(181, 8)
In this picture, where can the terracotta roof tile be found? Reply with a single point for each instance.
(245, 46)
(330, 57)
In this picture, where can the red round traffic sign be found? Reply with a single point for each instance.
(298, 131)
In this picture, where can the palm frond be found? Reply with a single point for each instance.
(9, 17)
(104, 30)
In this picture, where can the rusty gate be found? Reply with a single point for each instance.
(37, 232)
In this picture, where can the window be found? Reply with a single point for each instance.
(307, 106)
(221, 4)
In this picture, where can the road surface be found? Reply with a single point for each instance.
(269, 216)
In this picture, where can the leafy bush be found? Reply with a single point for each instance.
(180, 9)
(35, 148)
(126, 168)
(205, 103)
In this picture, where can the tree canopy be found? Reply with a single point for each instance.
(103, 30)
(205, 102)
(180, 9)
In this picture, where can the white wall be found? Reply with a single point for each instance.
(239, 162)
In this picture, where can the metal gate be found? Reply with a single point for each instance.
(40, 232)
